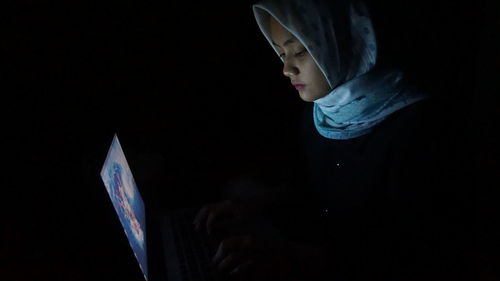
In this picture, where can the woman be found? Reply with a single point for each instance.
(374, 164)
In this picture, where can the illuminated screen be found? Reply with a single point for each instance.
(126, 200)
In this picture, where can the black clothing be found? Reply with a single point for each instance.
(394, 203)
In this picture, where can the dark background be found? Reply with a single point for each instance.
(197, 98)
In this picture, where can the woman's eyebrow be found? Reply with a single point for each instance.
(289, 41)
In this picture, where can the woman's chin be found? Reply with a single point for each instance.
(307, 97)
(312, 96)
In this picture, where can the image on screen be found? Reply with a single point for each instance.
(126, 200)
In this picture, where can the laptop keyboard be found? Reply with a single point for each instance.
(193, 248)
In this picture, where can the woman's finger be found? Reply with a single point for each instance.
(210, 220)
(213, 210)
(233, 244)
(216, 213)
(200, 216)
(231, 261)
(243, 269)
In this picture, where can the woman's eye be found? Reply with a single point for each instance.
(298, 54)
(301, 53)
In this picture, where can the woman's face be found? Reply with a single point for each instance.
(299, 66)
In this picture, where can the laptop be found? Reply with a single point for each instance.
(166, 246)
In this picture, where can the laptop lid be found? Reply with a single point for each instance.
(127, 201)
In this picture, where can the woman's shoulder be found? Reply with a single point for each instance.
(422, 135)
(416, 134)
(424, 119)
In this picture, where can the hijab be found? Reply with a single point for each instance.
(339, 36)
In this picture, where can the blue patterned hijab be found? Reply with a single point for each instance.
(339, 36)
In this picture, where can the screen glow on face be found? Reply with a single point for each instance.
(298, 65)
(126, 200)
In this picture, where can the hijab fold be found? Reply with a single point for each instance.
(339, 36)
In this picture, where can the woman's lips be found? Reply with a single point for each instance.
(299, 86)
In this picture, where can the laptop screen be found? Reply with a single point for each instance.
(126, 200)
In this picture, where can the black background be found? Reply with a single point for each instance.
(196, 84)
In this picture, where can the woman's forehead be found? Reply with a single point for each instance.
(280, 36)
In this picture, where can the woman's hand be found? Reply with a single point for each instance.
(252, 258)
(220, 215)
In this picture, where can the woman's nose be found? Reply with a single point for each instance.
(289, 69)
